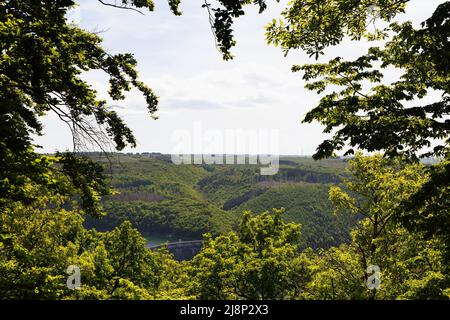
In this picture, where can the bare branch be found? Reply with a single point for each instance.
(211, 23)
(120, 7)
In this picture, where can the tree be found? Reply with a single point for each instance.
(411, 265)
(36, 244)
(260, 261)
(130, 258)
(380, 118)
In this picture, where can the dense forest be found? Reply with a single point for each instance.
(162, 199)
(73, 225)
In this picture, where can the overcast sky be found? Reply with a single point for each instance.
(178, 59)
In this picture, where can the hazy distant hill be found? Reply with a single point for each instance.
(185, 201)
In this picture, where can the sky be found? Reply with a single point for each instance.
(202, 96)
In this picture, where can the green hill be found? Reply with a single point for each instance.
(185, 201)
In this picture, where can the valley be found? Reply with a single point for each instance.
(168, 202)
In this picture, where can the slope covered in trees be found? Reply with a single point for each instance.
(185, 201)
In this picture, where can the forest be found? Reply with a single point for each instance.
(366, 217)
(162, 199)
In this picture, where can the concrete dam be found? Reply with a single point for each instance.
(181, 250)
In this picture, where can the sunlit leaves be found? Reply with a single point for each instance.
(313, 25)
(258, 262)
